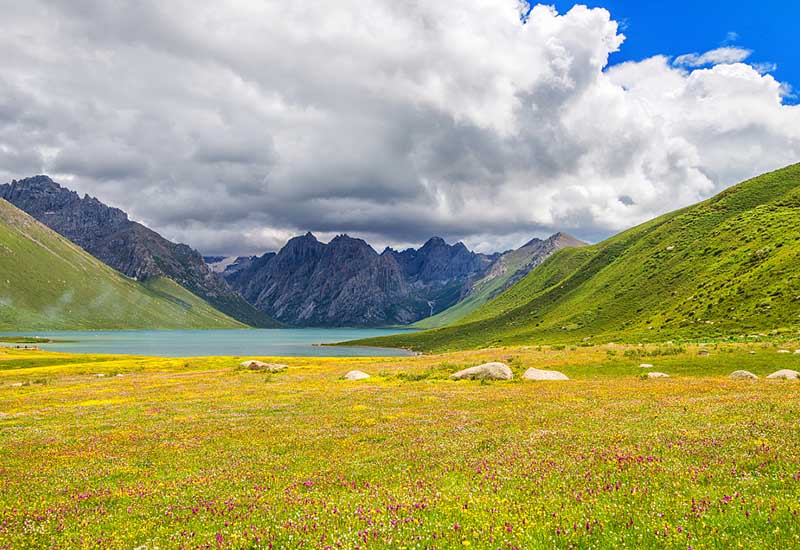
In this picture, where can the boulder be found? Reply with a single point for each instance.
(487, 371)
(355, 375)
(538, 374)
(743, 375)
(784, 374)
(261, 366)
(645, 366)
(657, 375)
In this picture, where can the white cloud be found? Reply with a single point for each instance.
(726, 54)
(232, 127)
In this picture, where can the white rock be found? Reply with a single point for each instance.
(16, 384)
(657, 375)
(743, 375)
(487, 371)
(100, 375)
(645, 366)
(784, 351)
(538, 374)
(355, 375)
(259, 365)
(784, 374)
(797, 352)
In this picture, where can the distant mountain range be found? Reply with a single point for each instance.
(307, 283)
(347, 283)
(48, 282)
(727, 266)
(508, 269)
(127, 246)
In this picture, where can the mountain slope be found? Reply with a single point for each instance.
(506, 271)
(347, 283)
(48, 282)
(726, 266)
(125, 245)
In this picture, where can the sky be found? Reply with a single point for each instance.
(234, 126)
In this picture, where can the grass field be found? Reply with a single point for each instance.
(199, 453)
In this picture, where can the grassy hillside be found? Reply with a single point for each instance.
(726, 266)
(47, 282)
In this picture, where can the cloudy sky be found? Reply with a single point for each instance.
(234, 126)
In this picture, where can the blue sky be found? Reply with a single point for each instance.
(769, 28)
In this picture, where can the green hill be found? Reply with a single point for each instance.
(47, 282)
(726, 266)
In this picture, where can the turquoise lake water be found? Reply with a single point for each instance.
(197, 343)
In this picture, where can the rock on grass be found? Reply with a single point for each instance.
(263, 367)
(355, 375)
(538, 374)
(784, 374)
(487, 371)
(743, 375)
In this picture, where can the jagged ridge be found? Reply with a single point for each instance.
(125, 245)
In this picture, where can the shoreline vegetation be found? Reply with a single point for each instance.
(31, 340)
(124, 451)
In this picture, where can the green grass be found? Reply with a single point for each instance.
(201, 453)
(725, 267)
(47, 282)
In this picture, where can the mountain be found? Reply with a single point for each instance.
(506, 271)
(48, 283)
(127, 246)
(347, 283)
(724, 267)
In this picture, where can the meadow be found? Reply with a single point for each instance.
(136, 452)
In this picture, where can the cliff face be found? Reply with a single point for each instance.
(347, 283)
(125, 245)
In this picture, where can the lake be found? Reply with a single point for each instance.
(198, 343)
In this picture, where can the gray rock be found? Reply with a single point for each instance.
(487, 371)
(355, 375)
(265, 367)
(784, 374)
(657, 375)
(743, 375)
(538, 374)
